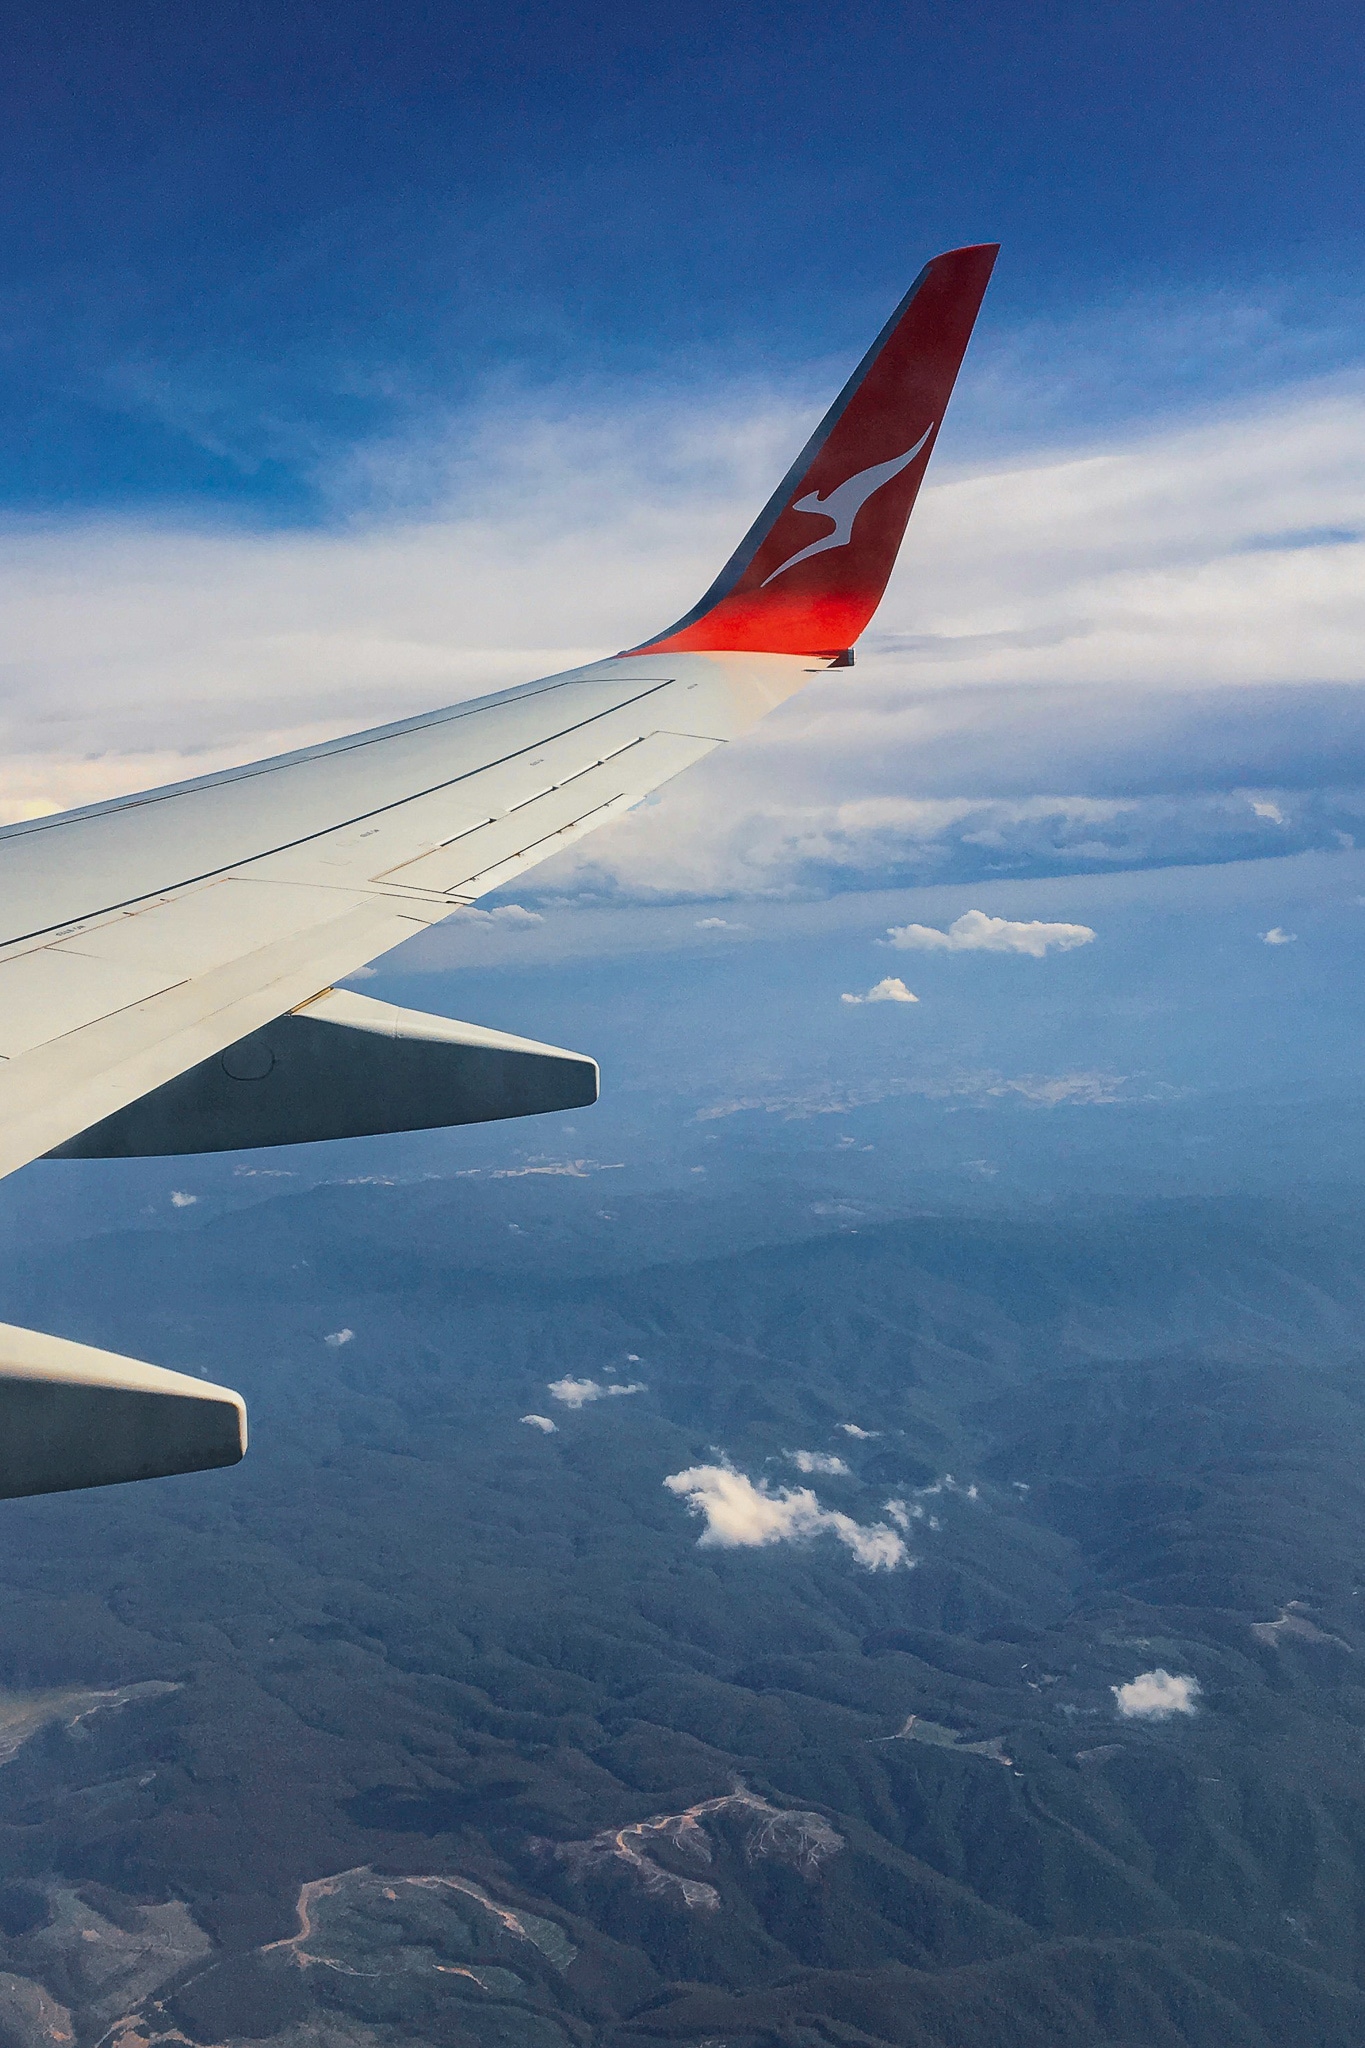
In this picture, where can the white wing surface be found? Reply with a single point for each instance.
(138, 938)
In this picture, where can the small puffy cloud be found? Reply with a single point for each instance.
(361, 974)
(890, 990)
(863, 1436)
(339, 1337)
(719, 924)
(1277, 937)
(974, 932)
(181, 1200)
(1156, 1695)
(949, 1485)
(578, 1393)
(541, 1422)
(514, 915)
(1264, 808)
(818, 1461)
(742, 1516)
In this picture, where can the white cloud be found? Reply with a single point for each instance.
(739, 827)
(902, 1514)
(578, 1393)
(740, 1515)
(1042, 593)
(542, 1422)
(863, 1435)
(949, 1485)
(180, 1199)
(339, 1337)
(1276, 937)
(514, 914)
(818, 1461)
(719, 924)
(891, 990)
(1156, 1695)
(1265, 808)
(974, 932)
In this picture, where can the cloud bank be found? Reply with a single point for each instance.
(742, 1516)
(1156, 1695)
(975, 932)
(1087, 659)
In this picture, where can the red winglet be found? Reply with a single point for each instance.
(811, 570)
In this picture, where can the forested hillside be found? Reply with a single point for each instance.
(1023, 1703)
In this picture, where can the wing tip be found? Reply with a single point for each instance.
(870, 450)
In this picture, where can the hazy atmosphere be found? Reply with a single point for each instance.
(856, 1540)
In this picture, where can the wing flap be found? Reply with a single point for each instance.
(497, 849)
(47, 992)
(133, 957)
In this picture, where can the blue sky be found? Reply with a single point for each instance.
(355, 359)
(240, 242)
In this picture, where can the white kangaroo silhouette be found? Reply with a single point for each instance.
(845, 502)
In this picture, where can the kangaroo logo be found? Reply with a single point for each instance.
(845, 502)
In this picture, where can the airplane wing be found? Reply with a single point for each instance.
(167, 960)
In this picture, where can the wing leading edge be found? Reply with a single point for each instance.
(181, 932)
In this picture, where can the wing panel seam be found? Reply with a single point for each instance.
(342, 825)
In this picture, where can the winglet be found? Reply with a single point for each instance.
(811, 570)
